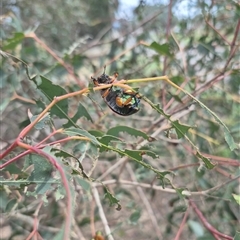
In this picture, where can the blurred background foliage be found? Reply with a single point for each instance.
(70, 41)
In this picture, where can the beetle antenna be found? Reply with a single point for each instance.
(104, 69)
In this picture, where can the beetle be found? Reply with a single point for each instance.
(124, 102)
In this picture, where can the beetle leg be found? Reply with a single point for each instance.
(106, 92)
(95, 82)
(130, 92)
(114, 77)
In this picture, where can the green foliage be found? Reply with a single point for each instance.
(42, 123)
(81, 112)
(51, 91)
(112, 200)
(81, 132)
(147, 161)
(134, 132)
(237, 236)
(237, 198)
(13, 42)
(162, 49)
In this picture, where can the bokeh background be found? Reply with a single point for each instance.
(195, 43)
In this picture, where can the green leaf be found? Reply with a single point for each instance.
(81, 132)
(163, 49)
(237, 236)
(42, 123)
(132, 131)
(148, 153)
(14, 41)
(11, 205)
(42, 173)
(136, 155)
(206, 48)
(176, 97)
(112, 200)
(81, 112)
(96, 133)
(179, 192)
(59, 193)
(105, 140)
(181, 129)
(4, 103)
(206, 161)
(20, 183)
(51, 90)
(83, 183)
(59, 235)
(196, 228)
(229, 139)
(64, 154)
(12, 169)
(86, 149)
(177, 79)
(237, 198)
(135, 216)
(4, 197)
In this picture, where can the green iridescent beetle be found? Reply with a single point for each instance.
(124, 102)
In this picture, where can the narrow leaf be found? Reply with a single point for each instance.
(14, 41)
(42, 173)
(132, 131)
(237, 198)
(81, 112)
(64, 154)
(237, 236)
(135, 216)
(112, 200)
(96, 133)
(42, 123)
(229, 139)
(51, 90)
(206, 161)
(181, 129)
(20, 183)
(105, 140)
(137, 157)
(81, 132)
(163, 49)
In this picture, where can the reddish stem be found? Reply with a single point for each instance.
(66, 186)
(206, 224)
(63, 177)
(182, 225)
(68, 67)
(9, 149)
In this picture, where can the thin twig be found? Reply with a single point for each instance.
(93, 230)
(145, 201)
(182, 225)
(223, 37)
(68, 67)
(168, 190)
(102, 214)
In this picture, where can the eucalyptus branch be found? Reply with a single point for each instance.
(168, 190)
